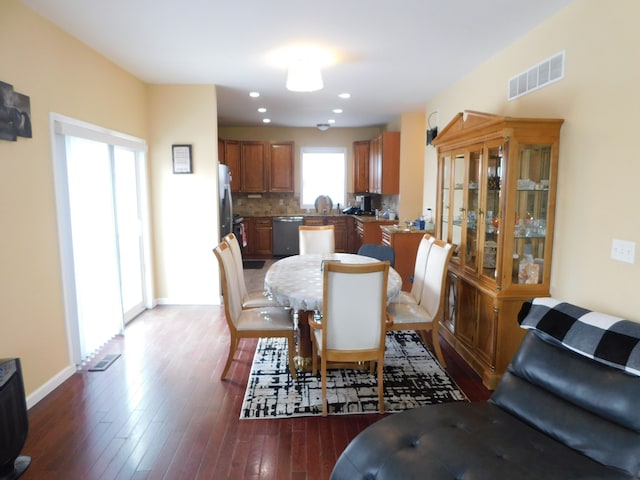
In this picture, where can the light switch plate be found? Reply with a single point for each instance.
(623, 251)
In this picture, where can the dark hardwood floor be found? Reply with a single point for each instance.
(162, 412)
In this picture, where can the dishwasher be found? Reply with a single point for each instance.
(285, 236)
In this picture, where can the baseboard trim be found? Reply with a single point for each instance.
(49, 386)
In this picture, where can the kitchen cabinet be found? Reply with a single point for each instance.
(229, 154)
(367, 230)
(259, 237)
(254, 168)
(361, 166)
(342, 226)
(376, 164)
(259, 167)
(496, 203)
(405, 245)
(384, 164)
(281, 171)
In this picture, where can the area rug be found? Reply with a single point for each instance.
(412, 378)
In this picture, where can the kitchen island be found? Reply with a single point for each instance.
(405, 243)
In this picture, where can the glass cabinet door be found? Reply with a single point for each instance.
(458, 209)
(493, 168)
(473, 210)
(445, 198)
(532, 199)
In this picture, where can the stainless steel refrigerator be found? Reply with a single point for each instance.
(226, 202)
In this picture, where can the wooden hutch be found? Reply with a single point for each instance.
(496, 202)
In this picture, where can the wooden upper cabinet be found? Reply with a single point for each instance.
(384, 164)
(232, 160)
(253, 174)
(361, 166)
(258, 167)
(281, 167)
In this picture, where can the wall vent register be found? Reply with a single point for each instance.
(544, 73)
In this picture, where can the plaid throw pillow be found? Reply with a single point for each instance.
(607, 339)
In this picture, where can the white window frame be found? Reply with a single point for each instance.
(306, 150)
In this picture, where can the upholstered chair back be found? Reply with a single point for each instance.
(435, 277)
(354, 306)
(316, 239)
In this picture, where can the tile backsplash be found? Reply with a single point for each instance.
(269, 204)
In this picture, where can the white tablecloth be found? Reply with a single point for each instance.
(297, 281)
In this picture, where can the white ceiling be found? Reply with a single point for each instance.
(392, 56)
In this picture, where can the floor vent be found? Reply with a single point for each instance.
(545, 73)
(105, 363)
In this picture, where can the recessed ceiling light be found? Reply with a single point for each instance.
(337, 110)
(331, 120)
(254, 94)
(266, 120)
(345, 95)
(262, 110)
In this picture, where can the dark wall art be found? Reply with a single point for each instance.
(15, 114)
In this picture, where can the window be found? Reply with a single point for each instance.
(323, 173)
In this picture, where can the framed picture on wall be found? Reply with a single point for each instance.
(182, 162)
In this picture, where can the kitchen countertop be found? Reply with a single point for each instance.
(361, 218)
(398, 229)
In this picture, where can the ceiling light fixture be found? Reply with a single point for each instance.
(345, 95)
(254, 94)
(337, 110)
(262, 110)
(304, 76)
(266, 120)
(323, 127)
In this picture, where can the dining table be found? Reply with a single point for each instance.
(297, 282)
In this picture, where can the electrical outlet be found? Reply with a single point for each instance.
(623, 251)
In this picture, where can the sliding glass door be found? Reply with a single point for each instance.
(102, 223)
(129, 231)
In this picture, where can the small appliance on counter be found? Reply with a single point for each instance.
(365, 202)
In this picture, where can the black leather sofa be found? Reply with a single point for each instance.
(556, 414)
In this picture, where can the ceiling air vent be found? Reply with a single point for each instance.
(545, 73)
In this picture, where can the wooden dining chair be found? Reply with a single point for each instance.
(351, 331)
(419, 269)
(425, 315)
(254, 322)
(316, 239)
(380, 252)
(249, 299)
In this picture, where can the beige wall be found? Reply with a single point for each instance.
(599, 169)
(184, 206)
(60, 75)
(412, 152)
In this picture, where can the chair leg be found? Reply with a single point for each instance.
(435, 339)
(314, 356)
(233, 345)
(292, 367)
(380, 386)
(325, 409)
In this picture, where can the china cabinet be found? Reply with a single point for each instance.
(496, 203)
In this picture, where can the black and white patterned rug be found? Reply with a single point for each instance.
(412, 378)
